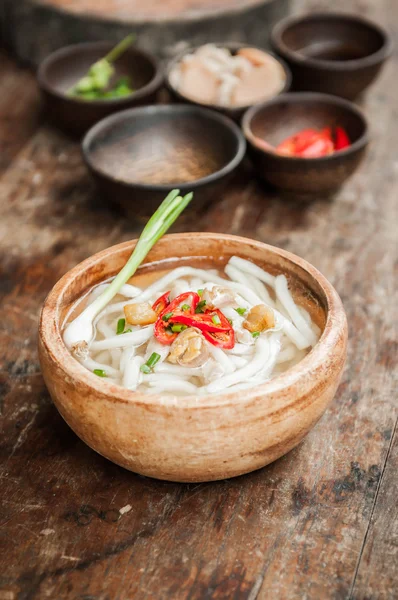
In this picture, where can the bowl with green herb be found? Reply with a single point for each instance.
(83, 83)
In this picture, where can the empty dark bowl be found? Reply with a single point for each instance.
(333, 53)
(62, 69)
(234, 112)
(137, 156)
(286, 115)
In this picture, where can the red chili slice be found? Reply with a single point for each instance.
(320, 146)
(222, 339)
(297, 142)
(161, 303)
(308, 143)
(203, 321)
(182, 299)
(161, 333)
(341, 140)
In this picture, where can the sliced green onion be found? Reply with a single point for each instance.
(153, 359)
(121, 324)
(216, 320)
(185, 307)
(100, 372)
(240, 311)
(150, 363)
(200, 307)
(200, 292)
(81, 328)
(177, 328)
(167, 316)
(255, 334)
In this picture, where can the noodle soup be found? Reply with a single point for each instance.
(197, 330)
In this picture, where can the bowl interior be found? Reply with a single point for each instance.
(233, 47)
(67, 66)
(162, 146)
(277, 121)
(332, 38)
(202, 251)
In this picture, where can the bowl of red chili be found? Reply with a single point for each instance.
(306, 142)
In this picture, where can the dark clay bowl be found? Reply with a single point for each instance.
(334, 53)
(234, 113)
(286, 115)
(60, 71)
(137, 156)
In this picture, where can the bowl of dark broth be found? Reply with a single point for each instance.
(137, 156)
(334, 53)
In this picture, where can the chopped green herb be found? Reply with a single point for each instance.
(177, 328)
(255, 334)
(94, 84)
(128, 331)
(230, 321)
(167, 316)
(121, 324)
(200, 292)
(153, 359)
(200, 307)
(185, 307)
(216, 320)
(150, 363)
(100, 372)
(240, 311)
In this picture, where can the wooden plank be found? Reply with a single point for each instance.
(19, 109)
(377, 569)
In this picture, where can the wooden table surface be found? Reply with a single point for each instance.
(320, 522)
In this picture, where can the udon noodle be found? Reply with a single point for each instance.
(196, 332)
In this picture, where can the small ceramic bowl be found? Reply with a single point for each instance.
(63, 68)
(234, 112)
(195, 438)
(334, 53)
(286, 115)
(137, 156)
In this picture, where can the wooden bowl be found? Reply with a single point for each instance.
(137, 156)
(234, 113)
(61, 69)
(195, 438)
(334, 53)
(280, 118)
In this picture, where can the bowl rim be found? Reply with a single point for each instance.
(304, 97)
(348, 65)
(152, 109)
(153, 84)
(231, 46)
(50, 336)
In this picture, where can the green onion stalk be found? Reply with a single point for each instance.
(99, 74)
(81, 329)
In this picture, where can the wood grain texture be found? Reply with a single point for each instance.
(320, 522)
